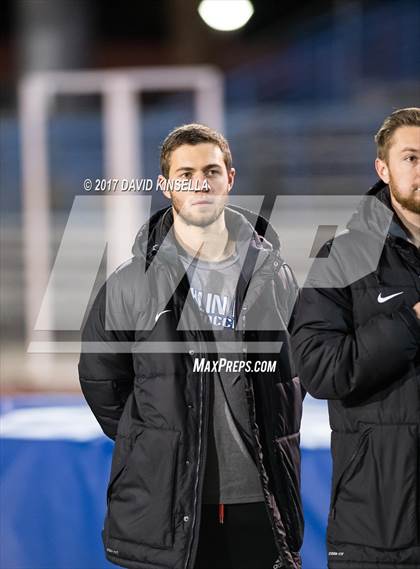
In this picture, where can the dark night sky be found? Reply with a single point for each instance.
(143, 32)
(134, 19)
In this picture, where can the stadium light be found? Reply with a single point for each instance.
(226, 15)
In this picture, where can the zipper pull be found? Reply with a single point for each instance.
(221, 513)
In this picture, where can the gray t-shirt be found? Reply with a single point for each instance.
(231, 475)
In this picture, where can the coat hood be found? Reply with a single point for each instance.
(245, 227)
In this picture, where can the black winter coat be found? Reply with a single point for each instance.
(358, 347)
(156, 408)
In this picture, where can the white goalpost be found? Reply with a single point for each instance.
(122, 116)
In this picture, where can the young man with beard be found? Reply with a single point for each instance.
(356, 340)
(205, 470)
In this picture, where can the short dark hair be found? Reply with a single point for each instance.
(192, 134)
(409, 116)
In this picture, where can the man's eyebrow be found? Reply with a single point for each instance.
(211, 166)
(185, 169)
(189, 169)
(407, 149)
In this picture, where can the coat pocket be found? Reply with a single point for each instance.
(141, 492)
(374, 498)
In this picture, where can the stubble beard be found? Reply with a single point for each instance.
(410, 203)
(198, 221)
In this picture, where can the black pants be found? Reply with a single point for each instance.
(244, 541)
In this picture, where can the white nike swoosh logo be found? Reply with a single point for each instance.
(159, 314)
(382, 299)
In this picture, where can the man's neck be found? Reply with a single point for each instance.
(210, 243)
(410, 220)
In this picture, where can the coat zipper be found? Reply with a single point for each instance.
(201, 445)
(269, 513)
(197, 476)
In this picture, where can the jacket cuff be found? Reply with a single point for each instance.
(409, 316)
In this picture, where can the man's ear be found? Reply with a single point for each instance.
(382, 170)
(162, 185)
(231, 178)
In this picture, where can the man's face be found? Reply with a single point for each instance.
(401, 170)
(199, 163)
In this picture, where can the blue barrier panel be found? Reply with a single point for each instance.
(316, 479)
(54, 471)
